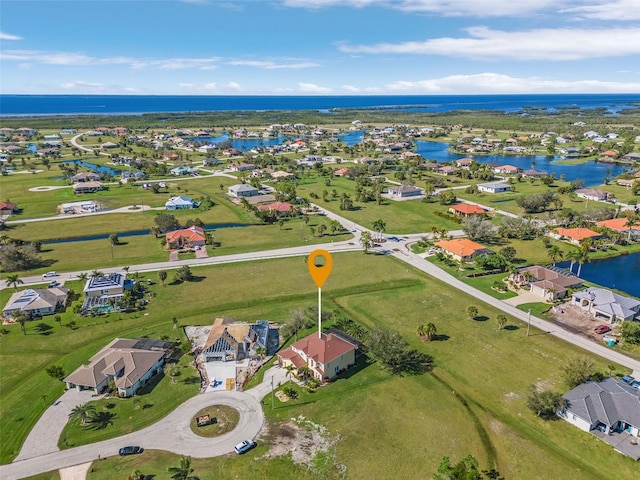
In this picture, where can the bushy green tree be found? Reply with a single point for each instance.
(544, 403)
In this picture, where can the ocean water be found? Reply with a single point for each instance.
(138, 104)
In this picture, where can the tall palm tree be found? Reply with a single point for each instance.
(630, 224)
(554, 254)
(182, 472)
(83, 413)
(96, 274)
(13, 280)
(290, 369)
(365, 241)
(21, 319)
(582, 258)
(83, 277)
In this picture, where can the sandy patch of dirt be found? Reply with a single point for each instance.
(77, 472)
(283, 397)
(578, 321)
(301, 438)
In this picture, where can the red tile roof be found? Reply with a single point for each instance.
(460, 246)
(324, 349)
(467, 209)
(577, 233)
(617, 224)
(193, 233)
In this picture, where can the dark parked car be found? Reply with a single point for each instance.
(244, 446)
(130, 451)
(602, 329)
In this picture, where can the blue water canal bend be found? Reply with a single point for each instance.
(619, 273)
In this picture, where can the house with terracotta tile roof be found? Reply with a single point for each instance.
(506, 169)
(620, 225)
(466, 210)
(7, 207)
(462, 249)
(575, 235)
(341, 172)
(326, 355)
(193, 236)
(129, 363)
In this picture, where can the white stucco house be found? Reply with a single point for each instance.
(243, 190)
(606, 305)
(179, 203)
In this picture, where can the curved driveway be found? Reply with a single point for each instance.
(172, 434)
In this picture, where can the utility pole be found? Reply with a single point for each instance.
(528, 321)
(273, 405)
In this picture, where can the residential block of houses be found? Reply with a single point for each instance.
(325, 355)
(129, 363)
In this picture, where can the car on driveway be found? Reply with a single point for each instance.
(130, 451)
(49, 274)
(636, 385)
(54, 283)
(600, 329)
(628, 379)
(244, 446)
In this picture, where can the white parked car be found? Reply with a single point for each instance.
(49, 274)
(244, 446)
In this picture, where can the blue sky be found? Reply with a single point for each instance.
(319, 47)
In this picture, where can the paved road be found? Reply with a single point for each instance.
(172, 434)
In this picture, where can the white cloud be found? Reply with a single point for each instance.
(350, 88)
(81, 84)
(541, 44)
(504, 84)
(449, 8)
(80, 59)
(8, 36)
(623, 10)
(233, 86)
(312, 88)
(210, 86)
(186, 85)
(268, 65)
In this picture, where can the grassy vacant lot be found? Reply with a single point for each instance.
(473, 402)
(410, 216)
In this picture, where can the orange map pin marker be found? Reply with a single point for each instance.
(319, 272)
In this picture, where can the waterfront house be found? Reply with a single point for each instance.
(325, 355)
(609, 409)
(534, 174)
(506, 169)
(462, 249)
(620, 225)
(574, 235)
(592, 194)
(36, 302)
(83, 177)
(87, 187)
(128, 363)
(549, 283)
(464, 162)
(496, 187)
(447, 170)
(180, 203)
(606, 305)
(193, 236)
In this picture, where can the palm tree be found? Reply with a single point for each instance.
(184, 274)
(582, 257)
(21, 319)
(261, 352)
(379, 226)
(554, 254)
(13, 280)
(83, 413)
(427, 331)
(83, 277)
(365, 241)
(96, 274)
(184, 471)
(502, 321)
(290, 369)
(472, 312)
(630, 224)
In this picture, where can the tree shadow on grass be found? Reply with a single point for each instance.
(44, 329)
(440, 338)
(191, 380)
(511, 328)
(101, 420)
(481, 318)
